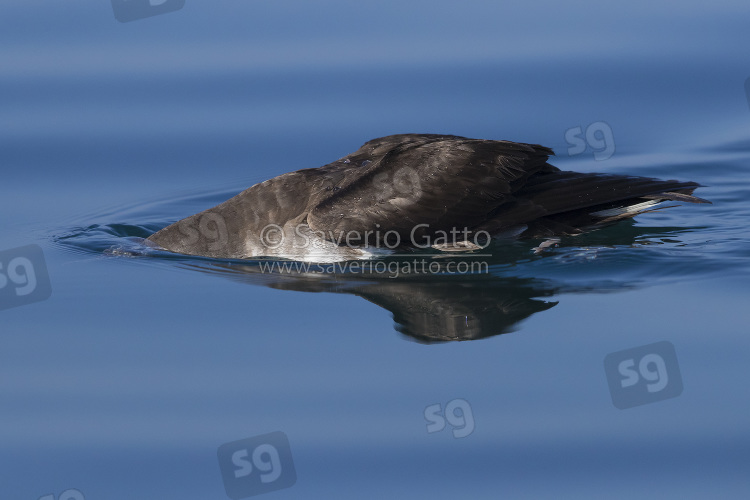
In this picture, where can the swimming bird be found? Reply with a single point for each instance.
(416, 191)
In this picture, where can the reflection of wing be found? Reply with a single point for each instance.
(442, 181)
(436, 308)
(445, 307)
(467, 310)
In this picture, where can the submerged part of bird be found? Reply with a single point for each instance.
(416, 191)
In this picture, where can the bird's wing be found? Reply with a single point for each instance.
(444, 182)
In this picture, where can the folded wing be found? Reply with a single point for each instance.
(443, 182)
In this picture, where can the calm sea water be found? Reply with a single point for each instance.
(140, 365)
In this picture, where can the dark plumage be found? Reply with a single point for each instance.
(418, 188)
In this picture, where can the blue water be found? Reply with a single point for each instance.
(125, 382)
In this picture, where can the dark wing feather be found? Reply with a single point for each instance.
(568, 198)
(442, 181)
(565, 191)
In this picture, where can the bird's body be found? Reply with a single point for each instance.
(415, 191)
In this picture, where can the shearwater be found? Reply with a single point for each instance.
(416, 191)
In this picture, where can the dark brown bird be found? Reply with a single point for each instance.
(415, 191)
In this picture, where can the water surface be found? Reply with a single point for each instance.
(141, 364)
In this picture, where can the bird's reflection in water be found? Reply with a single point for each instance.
(459, 308)
(438, 307)
(426, 308)
(442, 307)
